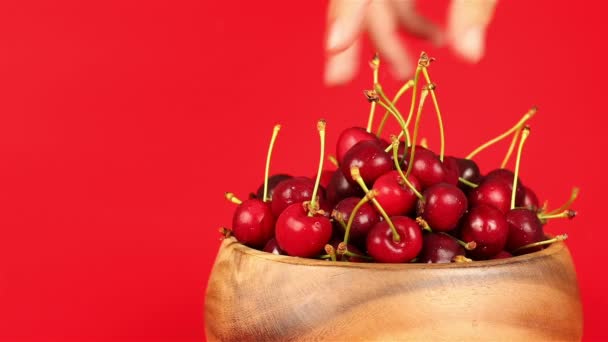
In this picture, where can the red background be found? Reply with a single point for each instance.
(122, 123)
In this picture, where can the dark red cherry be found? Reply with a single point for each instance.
(443, 206)
(382, 248)
(349, 138)
(273, 181)
(396, 197)
(524, 228)
(427, 168)
(253, 223)
(293, 190)
(507, 176)
(273, 247)
(468, 170)
(339, 188)
(489, 229)
(502, 255)
(452, 170)
(529, 201)
(364, 220)
(370, 158)
(326, 178)
(494, 192)
(438, 248)
(301, 235)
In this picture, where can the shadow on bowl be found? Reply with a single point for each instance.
(258, 296)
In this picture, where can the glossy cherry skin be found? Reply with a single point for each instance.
(502, 255)
(365, 218)
(529, 200)
(524, 228)
(507, 176)
(396, 197)
(452, 170)
(494, 192)
(273, 181)
(301, 235)
(439, 248)
(349, 138)
(371, 160)
(294, 190)
(443, 206)
(382, 248)
(468, 170)
(340, 188)
(253, 223)
(427, 168)
(486, 226)
(273, 247)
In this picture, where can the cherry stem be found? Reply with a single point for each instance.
(351, 218)
(469, 246)
(338, 219)
(568, 213)
(493, 141)
(461, 259)
(439, 118)
(423, 96)
(356, 175)
(467, 182)
(329, 249)
(226, 233)
(332, 159)
(423, 224)
(275, 133)
(412, 105)
(394, 111)
(230, 197)
(314, 203)
(424, 142)
(568, 203)
(524, 135)
(544, 242)
(375, 64)
(395, 145)
(405, 87)
(351, 254)
(511, 148)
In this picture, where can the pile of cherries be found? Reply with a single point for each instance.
(396, 202)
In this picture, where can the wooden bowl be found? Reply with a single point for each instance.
(257, 296)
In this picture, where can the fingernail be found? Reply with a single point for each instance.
(334, 37)
(471, 43)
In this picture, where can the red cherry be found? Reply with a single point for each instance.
(427, 167)
(452, 170)
(468, 170)
(349, 138)
(370, 158)
(273, 247)
(502, 255)
(339, 188)
(396, 197)
(301, 235)
(443, 206)
(364, 220)
(253, 223)
(294, 190)
(494, 192)
(507, 176)
(273, 181)
(529, 201)
(486, 226)
(382, 247)
(524, 228)
(439, 248)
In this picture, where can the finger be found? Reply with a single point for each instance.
(345, 20)
(467, 23)
(342, 67)
(415, 23)
(382, 27)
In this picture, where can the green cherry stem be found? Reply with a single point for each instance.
(354, 171)
(568, 204)
(511, 130)
(469, 246)
(524, 135)
(395, 145)
(230, 197)
(394, 111)
(329, 249)
(439, 117)
(511, 148)
(375, 64)
(544, 242)
(314, 202)
(568, 213)
(423, 224)
(405, 87)
(467, 183)
(401, 123)
(332, 159)
(423, 95)
(275, 133)
(351, 218)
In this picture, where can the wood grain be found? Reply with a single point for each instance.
(257, 296)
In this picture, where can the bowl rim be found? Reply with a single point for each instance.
(238, 247)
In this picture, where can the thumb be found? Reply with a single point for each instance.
(467, 24)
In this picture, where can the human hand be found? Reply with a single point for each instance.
(348, 19)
